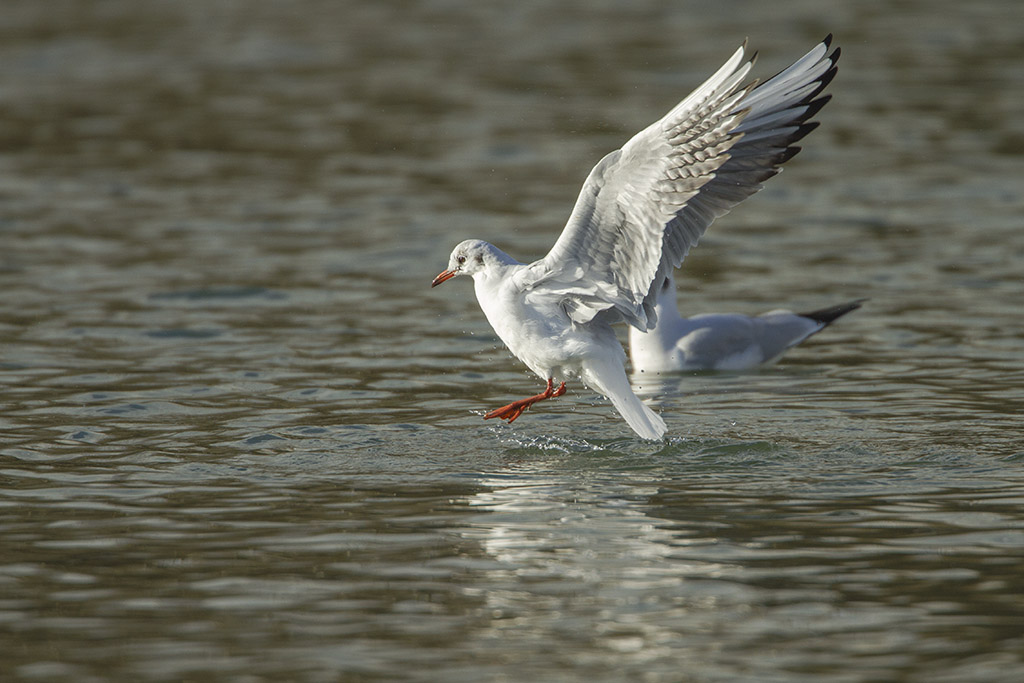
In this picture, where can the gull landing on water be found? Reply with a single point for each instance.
(641, 209)
(722, 341)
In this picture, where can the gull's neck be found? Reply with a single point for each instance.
(493, 283)
(497, 268)
(652, 350)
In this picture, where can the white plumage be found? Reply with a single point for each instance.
(641, 209)
(722, 341)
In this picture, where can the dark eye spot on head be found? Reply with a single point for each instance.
(479, 259)
(461, 259)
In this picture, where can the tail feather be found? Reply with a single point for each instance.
(611, 381)
(644, 421)
(826, 316)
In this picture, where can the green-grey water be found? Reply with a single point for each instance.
(241, 437)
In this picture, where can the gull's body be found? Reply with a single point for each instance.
(722, 341)
(640, 211)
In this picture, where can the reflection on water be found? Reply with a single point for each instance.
(664, 562)
(241, 438)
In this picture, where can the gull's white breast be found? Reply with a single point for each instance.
(539, 333)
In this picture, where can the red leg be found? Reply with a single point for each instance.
(516, 408)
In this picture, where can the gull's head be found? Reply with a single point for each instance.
(472, 257)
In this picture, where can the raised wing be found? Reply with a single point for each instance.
(643, 207)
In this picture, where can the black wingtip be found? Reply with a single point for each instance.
(826, 316)
(815, 106)
(785, 155)
(826, 78)
(801, 132)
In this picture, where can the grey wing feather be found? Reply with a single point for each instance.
(777, 115)
(643, 207)
(611, 248)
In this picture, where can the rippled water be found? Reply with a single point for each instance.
(240, 436)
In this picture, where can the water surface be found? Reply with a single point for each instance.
(241, 437)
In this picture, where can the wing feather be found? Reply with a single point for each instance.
(644, 206)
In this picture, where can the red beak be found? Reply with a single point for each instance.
(446, 275)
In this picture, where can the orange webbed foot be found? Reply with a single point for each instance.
(513, 410)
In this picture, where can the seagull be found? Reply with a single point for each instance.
(722, 341)
(641, 210)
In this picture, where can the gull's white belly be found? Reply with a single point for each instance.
(543, 337)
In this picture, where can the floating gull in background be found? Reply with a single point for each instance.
(640, 211)
(722, 341)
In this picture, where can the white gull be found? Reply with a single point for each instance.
(722, 341)
(640, 211)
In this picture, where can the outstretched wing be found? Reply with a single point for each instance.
(644, 206)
